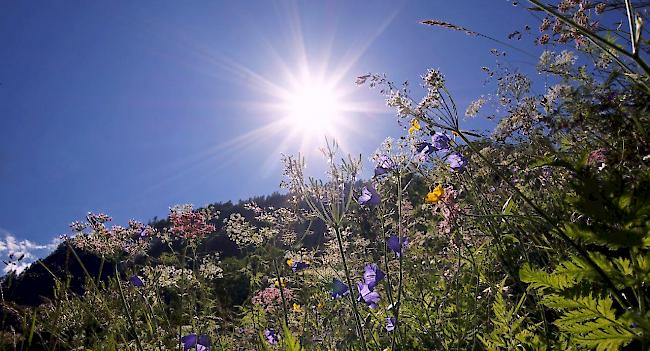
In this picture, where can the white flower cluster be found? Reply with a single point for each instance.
(210, 268)
(167, 276)
(434, 79)
(400, 102)
(561, 63)
(521, 120)
(242, 232)
(554, 94)
(475, 106)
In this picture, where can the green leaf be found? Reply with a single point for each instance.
(290, 341)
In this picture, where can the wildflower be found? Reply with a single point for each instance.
(339, 288)
(78, 226)
(440, 141)
(457, 161)
(367, 295)
(474, 107)
(289, 262)
(434, 79)
(96, 219)
(297, 308)
(320, 305)
(278, 282)
(369, 196)
(390, 324)
(424, 149)
(372, 275)
(434, 196)
(397, 245)
(362, 79)
(415, 126)
(544, 39)
(546, 23)
(201, 342)
(598, 157)
(449, 209)
(271, 298)
(136, 281)
(271, 336)
(189, 224)
(299, 265)
(146, 231)
(384, 164)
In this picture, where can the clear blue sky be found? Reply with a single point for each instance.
(128, 107)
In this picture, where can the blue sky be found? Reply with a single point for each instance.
(131, 107)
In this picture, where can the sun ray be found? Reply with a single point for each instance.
(297, 100)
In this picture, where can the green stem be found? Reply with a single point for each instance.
(127, 309)
(180, 324)
(281, 287)
(401, 256)
(349, 280)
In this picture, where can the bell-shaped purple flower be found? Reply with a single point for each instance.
(271, 336)
(372, 275)
(136, 281)
(440, 141)
(200, 342)
(456, 161)
(369, 196)
(424, 148)
(339, 288)
(390, 324)
(396, 245)
(368, 296)
(384, 165)
(299, 266)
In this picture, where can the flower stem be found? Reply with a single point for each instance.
(347, 276)
(127, 309)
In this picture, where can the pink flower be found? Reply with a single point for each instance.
(270, 298)
(190, 224)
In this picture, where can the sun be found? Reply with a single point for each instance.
(313, 107)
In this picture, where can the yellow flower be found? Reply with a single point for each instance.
(415, 126)
(297, 308)
(320, 305)
(289, 262)
(277, 282)
(435, 195)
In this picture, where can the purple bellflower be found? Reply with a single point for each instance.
(369, 196)
(457, 161)
(368, 296)
(200, 342)
(136, 281)
(339, 289)
(372, 275)
(440, 141)
(271, 336)
(299, 266)
(384, 165)
(396, 245)
(390, 324)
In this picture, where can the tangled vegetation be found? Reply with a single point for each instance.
(533, 237)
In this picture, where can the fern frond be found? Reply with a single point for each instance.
(591, 320)
(539, 279)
